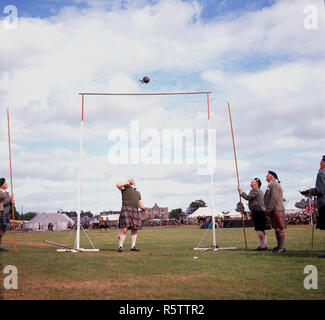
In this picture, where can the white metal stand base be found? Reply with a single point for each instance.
(65, 248)
(81, 249)
(215, 249)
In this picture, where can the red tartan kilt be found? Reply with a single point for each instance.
(278, 220)
(130, 218)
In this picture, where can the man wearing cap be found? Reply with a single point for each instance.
(319, 192)
(6, 205)
(257, 208)
(273, 200)
(130, 216)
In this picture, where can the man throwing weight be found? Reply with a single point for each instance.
(130, 216)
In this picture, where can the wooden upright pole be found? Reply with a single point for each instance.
(241, 206)
(11, 185)
(312, 222)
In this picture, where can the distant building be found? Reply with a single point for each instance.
(110, 215)
(154, 212)
(151, 213)
(107, 213)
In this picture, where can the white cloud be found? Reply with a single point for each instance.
(277, 105)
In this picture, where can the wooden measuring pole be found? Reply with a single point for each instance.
(11, 185)
(241, 206)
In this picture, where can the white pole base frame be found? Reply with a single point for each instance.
(79, 250)
(67, 250)
(215, 249)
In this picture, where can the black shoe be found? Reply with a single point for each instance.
(261, 249)
(279, 250)
(3, 250)
(275, 249)
(134, 249)
(120, 249)
(322, 256)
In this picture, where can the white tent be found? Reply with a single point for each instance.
(41, 220)
(205, 211)
(111, 217)
(289, 207)
(233, 214)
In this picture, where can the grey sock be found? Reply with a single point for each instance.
(282, 238)
(277, 235)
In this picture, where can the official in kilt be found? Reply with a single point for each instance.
(5, 209)
(273, 200)
(257, 209)
(130, 217)
(319, 192)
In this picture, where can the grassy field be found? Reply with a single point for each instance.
(164, 268)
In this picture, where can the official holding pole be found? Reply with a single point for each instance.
(7, 203)
(319, 192)
(257, 208)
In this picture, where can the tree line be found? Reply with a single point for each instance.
(179, 213)
(30, 215)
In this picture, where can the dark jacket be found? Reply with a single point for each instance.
(319, 190)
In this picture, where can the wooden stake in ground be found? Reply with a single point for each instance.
(11, 185)
(241, 206)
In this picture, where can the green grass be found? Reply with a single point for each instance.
(164, 268)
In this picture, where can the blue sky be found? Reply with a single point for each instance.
(212, 8)
(257, 54)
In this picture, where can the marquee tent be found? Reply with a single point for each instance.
(41, 220)
(111, 217)
(205, 211)
(233, 214)
(289, 207)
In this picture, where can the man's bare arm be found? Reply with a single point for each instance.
(141, 205)
(121, 185)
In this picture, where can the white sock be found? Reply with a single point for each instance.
(133, 240)
(262, 239)
(121, 239)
